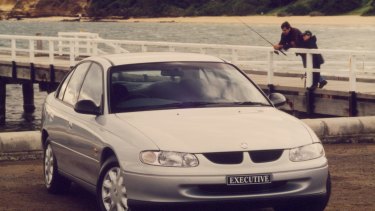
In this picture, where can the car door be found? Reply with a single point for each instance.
(85, 129)
(61, 113)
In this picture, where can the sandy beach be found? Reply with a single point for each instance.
(321, 20)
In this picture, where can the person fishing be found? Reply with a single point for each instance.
(290, 37)
(309, 41)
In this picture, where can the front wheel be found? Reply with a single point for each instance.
(111, 190)
(55, 183)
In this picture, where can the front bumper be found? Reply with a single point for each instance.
(310, 183)
(232, 204)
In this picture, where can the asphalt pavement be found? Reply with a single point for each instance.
(351, 165)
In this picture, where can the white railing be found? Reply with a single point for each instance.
(84, 46)
(82, 43)
(71, 47)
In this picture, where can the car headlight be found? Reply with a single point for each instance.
(308, 152)
(170, 159)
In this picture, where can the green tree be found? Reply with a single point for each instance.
(335, 7)
(159, 8)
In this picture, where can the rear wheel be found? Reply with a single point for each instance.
(111, 190)
(55, 183)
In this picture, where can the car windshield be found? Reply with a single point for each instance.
(171, 85)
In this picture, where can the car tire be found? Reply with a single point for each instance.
(54, 182)
(312, 205)
(111, 190)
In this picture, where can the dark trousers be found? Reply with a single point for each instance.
(316, 75)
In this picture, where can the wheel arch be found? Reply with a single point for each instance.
(44, 135)
(107, 153)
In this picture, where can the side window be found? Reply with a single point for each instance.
(75, 83)
(92, 87)
(61, 91)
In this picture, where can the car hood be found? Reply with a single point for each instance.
(220, 129)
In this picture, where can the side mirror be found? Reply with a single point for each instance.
(277, 99)
(87, 107)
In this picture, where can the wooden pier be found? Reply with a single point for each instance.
(334, 99)
(350, 90)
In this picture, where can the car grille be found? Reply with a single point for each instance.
(260, 156)
(225, 157)
(263, 156)
(242, 189)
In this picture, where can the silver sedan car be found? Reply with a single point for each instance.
(166, 129)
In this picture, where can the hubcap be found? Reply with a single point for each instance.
(48, 165)
(114, 195)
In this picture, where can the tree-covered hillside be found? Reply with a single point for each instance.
(161, 8)
(174, 8)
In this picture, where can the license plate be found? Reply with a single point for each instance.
(249, 179)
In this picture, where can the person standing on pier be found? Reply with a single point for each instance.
(293, 38)
(309, 41)
(290, 37)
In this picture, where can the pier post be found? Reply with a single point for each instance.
(309, 70)
(28, 97)
(39, 45)
(2, 100)
(353, 104)
(310, 101)
(270, 73)
(352, 87)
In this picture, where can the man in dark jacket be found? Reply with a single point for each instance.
(309, 41)
(290, 37)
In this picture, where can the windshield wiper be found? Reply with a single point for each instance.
(170, 105)
(193, 104)
(204, 104)
(252, 103)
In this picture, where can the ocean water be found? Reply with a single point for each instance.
(329, 37)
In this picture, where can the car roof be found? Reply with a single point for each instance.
(147, 57)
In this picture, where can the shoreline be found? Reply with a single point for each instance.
(312, 20)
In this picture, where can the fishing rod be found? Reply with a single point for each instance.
(276, 51)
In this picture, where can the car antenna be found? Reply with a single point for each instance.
(275, 51)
